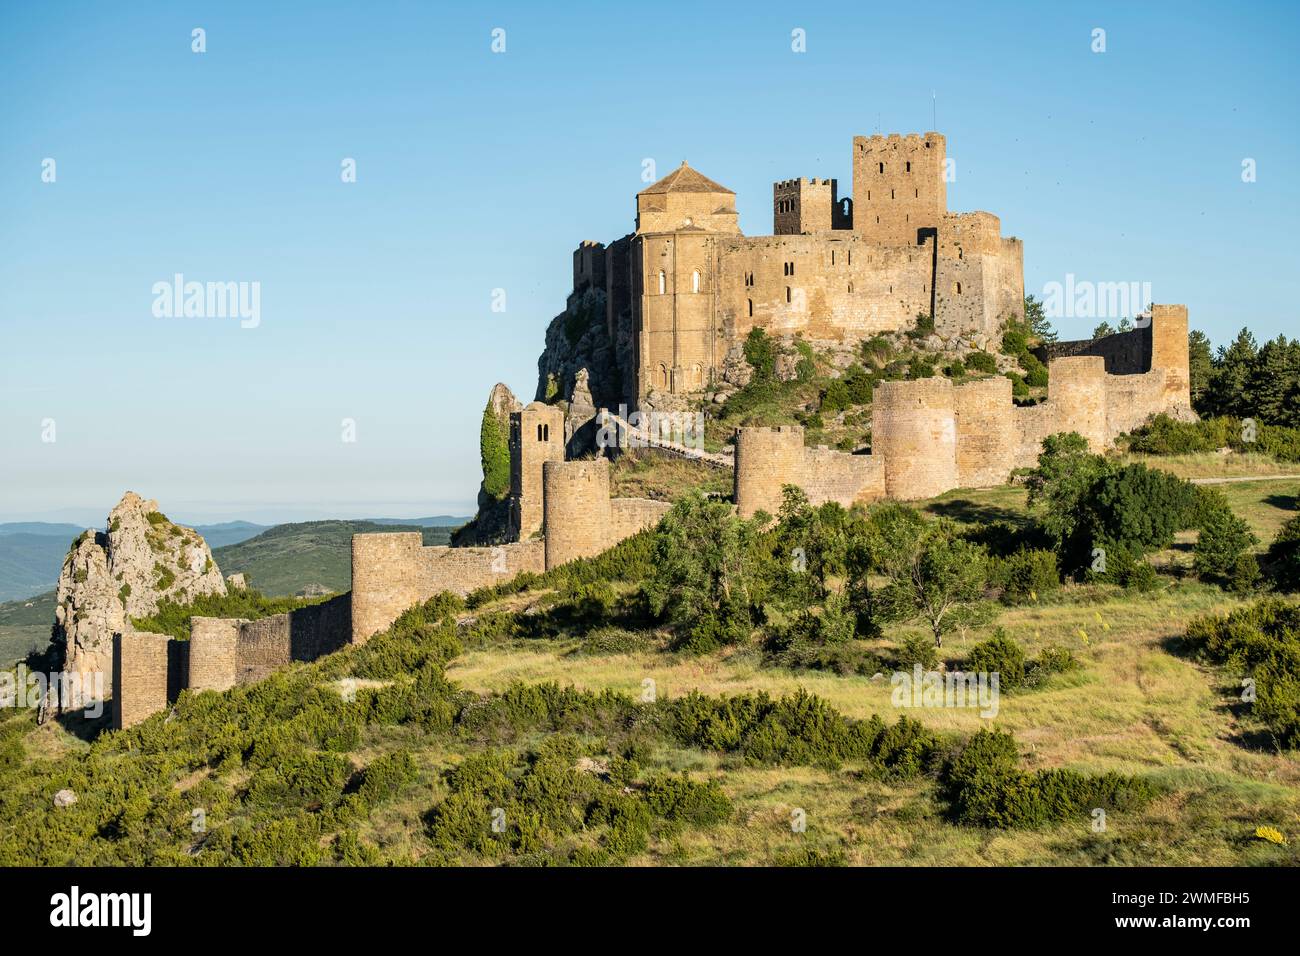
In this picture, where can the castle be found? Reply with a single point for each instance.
(686, 287)
(693, 286)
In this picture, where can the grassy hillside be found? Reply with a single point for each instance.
(534, 702)
(289, 558)
(24, 626)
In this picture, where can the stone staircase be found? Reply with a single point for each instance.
(629, 436)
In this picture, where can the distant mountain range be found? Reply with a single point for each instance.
(32, 552)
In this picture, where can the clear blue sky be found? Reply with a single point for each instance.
(479, 171)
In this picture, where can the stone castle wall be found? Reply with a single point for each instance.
(929, 436)
(151, 670)
(767, 459)
(913, 428)
(140, 672)
(692, 286)
(392, 572)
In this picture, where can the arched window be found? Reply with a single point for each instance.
(787, 293)
(882, 167)
(663, 375)
(695, 281)
(957, 287)
(909, 167)
(751, 307)
(539, 433)
(663, 282)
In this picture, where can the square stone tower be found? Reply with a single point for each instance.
(898, 187)
(536, 437)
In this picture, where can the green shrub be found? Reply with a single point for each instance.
(917, 649)
(982, 362)
(1223, 540)
(998, 655)
(1052, 659)
(1035, 370)
(1261, 640)
(386, 775)
(986, 787)
(1025, 575)
(1284, 556)
(760, 353)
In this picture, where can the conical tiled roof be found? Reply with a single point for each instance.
(683, 179)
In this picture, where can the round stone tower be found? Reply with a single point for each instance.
(1076, 388)
(986, 439)
(766, 459)
(577, 520)
(913, 428)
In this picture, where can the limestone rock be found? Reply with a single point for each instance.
(64, 798)
(111, 576)
(236, 581)
(735, 369)
(502, 401)
(787, 366)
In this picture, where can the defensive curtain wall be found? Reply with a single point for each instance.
(150, 670)
(928, 436)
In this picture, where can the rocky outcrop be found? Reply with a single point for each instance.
(112, 576)
(577, 339)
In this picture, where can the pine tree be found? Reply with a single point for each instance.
(1227, 394)
(1200, 363)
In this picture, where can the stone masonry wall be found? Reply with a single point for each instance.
(140, 673)
(213, 642)
(767, 459)
(631, 515)
(392, 572)
(986, 440)
(913, 428)
(579, 516)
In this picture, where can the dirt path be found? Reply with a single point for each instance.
(1233, 481)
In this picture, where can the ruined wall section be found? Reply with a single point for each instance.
(628, 516)
(767, 459)
(213, 653)
(830, 475)
(140, 675)
(1076, 389)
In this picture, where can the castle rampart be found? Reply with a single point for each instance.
(913, 429)
(986, 441)
(768, 459)
(929, 436)
(151, 670)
